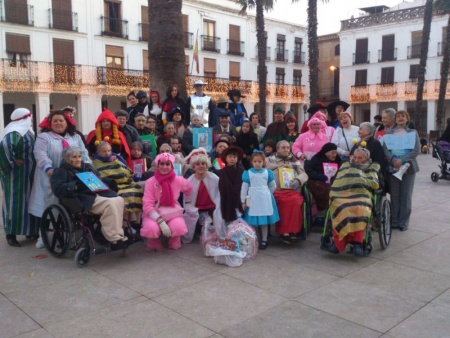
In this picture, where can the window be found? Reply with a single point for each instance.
(298, 50)
(235, 71)
(186, 64)
(18, 48)
(234, 43)
(337, 50)
(112, 20)
(279, 78)
(297, 79)
(416, 41)
(186, 35)
(361, 53)
(144, 23)
(62, 14)
(64, 59)
(114, 57)
(387, 75)
(361, 77)
(388, 48)
(281, 41)
(145, 66)
(210, 67)
(16, 11)
(209, 28)
(413, 71)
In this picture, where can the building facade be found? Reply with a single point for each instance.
(379, 60)
(91, 53)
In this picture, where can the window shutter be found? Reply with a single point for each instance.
(114, 51)
(298, 40)
(144, 14)
(210, 65)
(416, 38)
(63, 51)
(235, 32)
(387, 75)
(145, 66)
(413, 71)
(16, 11)
(235, 69)
(18, 43)
(297, 73)
(185, 23)
(280, 71)
(281, 37)
(361, 77)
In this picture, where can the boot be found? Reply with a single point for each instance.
(12, 240)
(154, 244)
(175, 242)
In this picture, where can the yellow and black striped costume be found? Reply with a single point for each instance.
(351, 198)
(130, 191)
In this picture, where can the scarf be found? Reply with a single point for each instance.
(56, 136)
(167, 194)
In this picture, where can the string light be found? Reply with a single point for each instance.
(47, 77)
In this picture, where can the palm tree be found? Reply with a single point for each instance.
(166, 45)
(261, 6)
(422, 65)
(313, 51)
(443, 7)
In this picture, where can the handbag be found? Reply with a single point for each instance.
(169, 213)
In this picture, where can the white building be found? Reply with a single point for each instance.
(91, 53)
(379, 58)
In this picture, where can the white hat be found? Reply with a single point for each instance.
(20, 122)
(200, 83)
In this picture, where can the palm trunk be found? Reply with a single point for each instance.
(444, 75)
(166, 46)
(313, 52)
(419, 116)
(262, 53)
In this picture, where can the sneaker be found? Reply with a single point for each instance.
(119, 245)
(358, 250)
(286, 239)
(40, 244)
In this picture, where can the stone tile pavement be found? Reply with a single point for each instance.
(296, 291)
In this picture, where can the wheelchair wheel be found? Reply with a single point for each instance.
(56, 230)
(434, 176)
(384, 222)
(82, 256)
(307, 212)
(327, 239)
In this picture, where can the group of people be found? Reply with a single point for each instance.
(252, 172)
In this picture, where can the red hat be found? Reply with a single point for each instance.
(107, 115)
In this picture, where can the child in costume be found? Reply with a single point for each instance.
(257, 199)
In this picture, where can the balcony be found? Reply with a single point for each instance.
(359, 94)
(188, 38)
(413, 52)
(20, 14)
(387, 54)
(361, 58)
(60, 19)
(128, 78)
(235, 47)
(267, 53)
(298, 56)
(210, 43)
(281, 54)
(143, 31)
(114, 27)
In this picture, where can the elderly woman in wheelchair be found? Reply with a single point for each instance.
(103, 202)
(351, 205)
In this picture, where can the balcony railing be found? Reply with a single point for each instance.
(267, 53)
(20, 14)
(48, 77)
(210, 43)
(188, 38)
(413, 51)
(143, 31)
(298, 56)
(281, 54)
(114, 27)
(235, 47)
(360, 58)
(440, 51)
(60, 19)
(387, 54)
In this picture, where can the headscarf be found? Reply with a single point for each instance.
(154, 92)
(20, 122)
(164, 180)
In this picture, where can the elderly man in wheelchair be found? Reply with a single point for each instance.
(355, 199)
(66, 184)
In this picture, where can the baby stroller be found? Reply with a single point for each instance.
(441, 151)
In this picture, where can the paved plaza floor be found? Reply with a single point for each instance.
(297, 291)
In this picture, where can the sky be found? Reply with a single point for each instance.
(329, 14)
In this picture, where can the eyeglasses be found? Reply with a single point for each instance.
(167, 164)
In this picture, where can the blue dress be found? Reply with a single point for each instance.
(261, 209)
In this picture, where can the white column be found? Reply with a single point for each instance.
(401, 105)
(42, 106)
(431, 115)
(2, 117)
(373, 110)
(89, 108)
(269, 113)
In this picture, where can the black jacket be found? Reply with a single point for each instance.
(65, 184)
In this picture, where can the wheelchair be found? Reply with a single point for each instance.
(66, 226)
(381, 215)
(307, 211)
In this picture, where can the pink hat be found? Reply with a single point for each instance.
(349, 114)
(315, 120)
(165, 157)
(320, 116)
